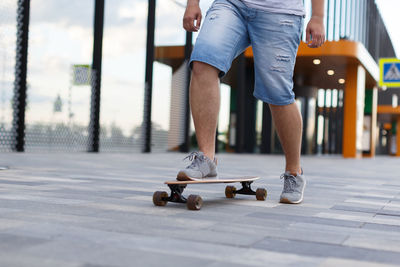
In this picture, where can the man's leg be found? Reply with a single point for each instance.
(288, 123)
(204, 103)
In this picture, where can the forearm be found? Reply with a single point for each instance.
(318, 8)
(193, 2)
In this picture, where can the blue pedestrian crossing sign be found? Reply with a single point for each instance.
(389, 72)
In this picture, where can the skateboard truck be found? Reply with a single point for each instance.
(246, 189)
(176, 193)
(193, 202)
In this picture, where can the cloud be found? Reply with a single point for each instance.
(77, 12)
(8, 11)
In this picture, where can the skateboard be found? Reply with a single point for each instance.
(194, 202)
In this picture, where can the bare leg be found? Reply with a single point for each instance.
(204, 103)
(288, 123)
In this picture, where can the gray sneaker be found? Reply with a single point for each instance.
(200, 168)
(293, 188)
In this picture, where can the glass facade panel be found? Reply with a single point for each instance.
(57, 113)
(8, 33)
(223, 119)
(123, 73)
(169, 83)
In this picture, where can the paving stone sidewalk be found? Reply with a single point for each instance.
(96, 210)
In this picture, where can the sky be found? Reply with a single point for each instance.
(61, 35)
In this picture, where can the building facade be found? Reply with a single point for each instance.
(336, 88)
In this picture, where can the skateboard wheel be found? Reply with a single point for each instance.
(230, 191)
(159, 198)
(261, 194)
(194, 202)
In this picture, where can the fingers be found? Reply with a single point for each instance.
(198, 21)
(308, 35)
(189, 20)
(317, 39)
(188, 24)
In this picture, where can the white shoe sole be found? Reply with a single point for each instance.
(183, 177)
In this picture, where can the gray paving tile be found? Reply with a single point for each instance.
(9, 242)
(334, 262)
(393, 213)
(382, 227)
(309, 219)
(3, 181)
(356, 208)
(328, 250)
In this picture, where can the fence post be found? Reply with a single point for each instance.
(94, 124)
(148, 89)
(19, 100)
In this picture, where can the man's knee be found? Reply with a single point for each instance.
(200, 69)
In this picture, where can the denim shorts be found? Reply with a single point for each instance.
(230, 27)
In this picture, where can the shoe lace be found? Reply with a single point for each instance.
(289, 184)
(195, 157)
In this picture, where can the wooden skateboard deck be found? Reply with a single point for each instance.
(194, 202)
(225, 180)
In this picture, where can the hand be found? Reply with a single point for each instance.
(192, 13)
(315, 32)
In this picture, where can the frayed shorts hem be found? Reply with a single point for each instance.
(222, 69)
(270, 101)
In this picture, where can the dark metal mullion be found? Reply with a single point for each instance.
(305, 126)
(356, 17)
(365, 22)
(21, 66)
(328, 15)
(151, 17)
(334, 20)
(353, 20)
(377, 35)
(340, 122)
(340, 19)
(316, 125)
(332, 125)
(266, 133)
(94, 124)
(324, 124)
(364, 18)
(347, 22)
(367, 19)
(350, 17)
(188, 51)
(241, 109)
(360, 24)
(362, 21)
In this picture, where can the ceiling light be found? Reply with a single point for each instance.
(341, 81)
(316, 61)
(330, 72)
